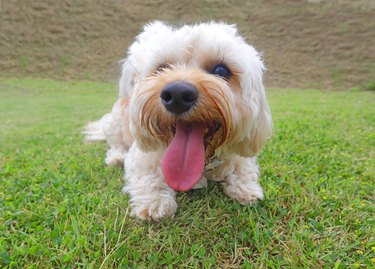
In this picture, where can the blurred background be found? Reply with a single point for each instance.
(306, 44)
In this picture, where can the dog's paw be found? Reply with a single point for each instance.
(245, 192)
(155, 209)
(115, 158)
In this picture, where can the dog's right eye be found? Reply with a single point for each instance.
(162, 67)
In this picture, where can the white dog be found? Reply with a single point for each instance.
(192, 107)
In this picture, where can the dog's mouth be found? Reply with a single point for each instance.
(184, 159)
(209, 132)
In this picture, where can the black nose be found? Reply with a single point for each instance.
(179, 96)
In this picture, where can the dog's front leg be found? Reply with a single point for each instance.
(150, 196)
(241, 180)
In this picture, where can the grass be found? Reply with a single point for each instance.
(61, 206)
(370, 86)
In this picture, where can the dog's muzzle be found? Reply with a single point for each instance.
(179, 97)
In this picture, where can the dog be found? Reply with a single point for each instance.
(191, 107)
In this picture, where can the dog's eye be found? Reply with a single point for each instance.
(221, 70)
(162, 67)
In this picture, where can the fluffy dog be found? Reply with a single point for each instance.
(191, 107)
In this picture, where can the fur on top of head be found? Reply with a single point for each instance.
(233, 109)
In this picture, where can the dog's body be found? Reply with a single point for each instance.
(192, 106)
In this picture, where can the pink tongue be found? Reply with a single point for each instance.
(183, 161)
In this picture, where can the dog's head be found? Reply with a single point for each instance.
(197, 91)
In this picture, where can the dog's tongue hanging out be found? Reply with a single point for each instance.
(183, 161)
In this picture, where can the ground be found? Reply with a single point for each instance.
(62, 207)
(306, 44)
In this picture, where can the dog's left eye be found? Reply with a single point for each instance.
(221, 70)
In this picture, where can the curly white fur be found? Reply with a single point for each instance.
(139, 129)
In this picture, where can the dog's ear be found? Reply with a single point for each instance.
(135, 62)
(261, 128)
(259, 123)
(127, 79)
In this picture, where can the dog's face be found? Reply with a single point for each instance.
(195, 91)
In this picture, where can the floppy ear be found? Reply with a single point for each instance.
(261, 128)
(258, 126)
(127, 79)
(139, 55)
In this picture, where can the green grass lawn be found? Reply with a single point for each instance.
(61, 207)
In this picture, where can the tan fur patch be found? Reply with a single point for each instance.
(213, 109)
